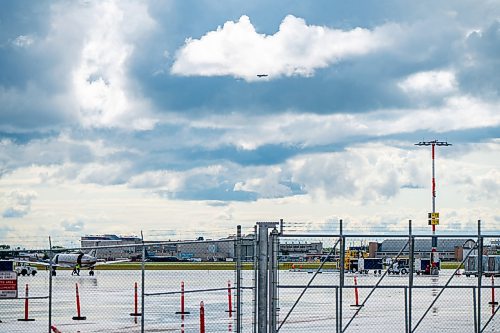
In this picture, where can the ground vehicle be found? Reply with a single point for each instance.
(399, 266)
(25, 269)
(491, 265)
(370, 264)
(425, 267)
(157, 258)
(352, 256)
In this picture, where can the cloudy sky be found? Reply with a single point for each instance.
(121, 116)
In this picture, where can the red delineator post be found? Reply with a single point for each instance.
(136, 308)
(229, 299)
(78, 313)
(182, 301)
(202, 317)
(356, 295)
(26, 306)
(54, 329)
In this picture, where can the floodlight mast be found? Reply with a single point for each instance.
(433, 144)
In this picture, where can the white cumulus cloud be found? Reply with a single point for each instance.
(236, 49)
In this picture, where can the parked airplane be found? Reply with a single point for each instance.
(76, 261)
(29, 256)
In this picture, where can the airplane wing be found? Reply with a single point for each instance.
(43, 263)
(100, 263)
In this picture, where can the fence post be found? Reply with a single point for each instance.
(479, 273)
(50, 285)
(410, 278)
(263, 276)
(143, 259)
(474, 304)
(255, 277)
(273, 281)
(238, 279)
(336, 309)
(341, 282)
(262, 280)
(406, 308)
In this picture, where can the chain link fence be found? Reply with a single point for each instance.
(265, 282)
(183, 286)
(366, 287)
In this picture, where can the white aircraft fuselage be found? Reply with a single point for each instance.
(72, 259)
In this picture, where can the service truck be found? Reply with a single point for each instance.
(365, 265)
(423, 266)
(25, 269)
(399, 266)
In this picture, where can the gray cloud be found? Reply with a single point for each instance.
(33, 97)
(88, 92)
(73, 225)
(15, 212)
(18, 203)
(479, 59)
(87, 99)
(4, 230)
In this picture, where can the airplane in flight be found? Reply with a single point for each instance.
(262, 75)
(76, 261)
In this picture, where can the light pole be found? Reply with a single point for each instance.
(433, 217)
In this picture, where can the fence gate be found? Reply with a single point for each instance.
(331, 295)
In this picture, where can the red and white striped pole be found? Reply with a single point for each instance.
(78, 313)
(182, 301)
(434, 240)
(26, 306)
(433, 145)
(202, 317)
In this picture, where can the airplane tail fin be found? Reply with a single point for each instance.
(93, 253)
(147, 253)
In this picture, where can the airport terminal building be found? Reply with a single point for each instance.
(449, 249)
(95, 241)
(201, 249)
